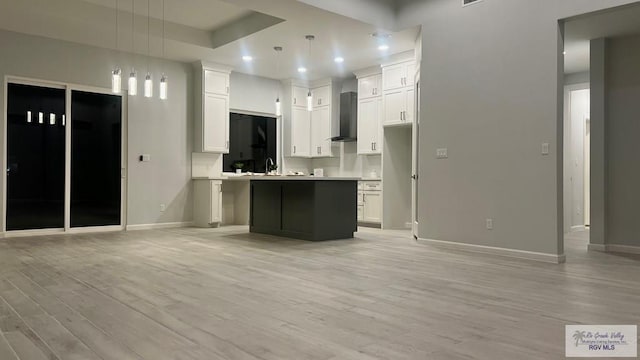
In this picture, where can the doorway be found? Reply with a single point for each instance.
(577, 157)
(64, 158)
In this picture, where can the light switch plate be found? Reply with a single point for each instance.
(145, 157)
(442, 153)
(489, 224)
(545, 148)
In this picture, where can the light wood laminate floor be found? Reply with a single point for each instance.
(226, 294)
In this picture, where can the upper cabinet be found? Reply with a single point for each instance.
(321, 96)
(369, 112)
(211, 109)
(216, 82)
(308, 133)
(398, 75)
(369, 86)
(299, 96)
(399, 92)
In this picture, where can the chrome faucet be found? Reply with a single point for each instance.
(266, 165)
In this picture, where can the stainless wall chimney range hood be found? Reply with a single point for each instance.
(348, 118)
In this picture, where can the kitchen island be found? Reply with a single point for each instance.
(307, 208)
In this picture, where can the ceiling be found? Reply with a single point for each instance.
(220, 31)
(579, 31)
(199, 14)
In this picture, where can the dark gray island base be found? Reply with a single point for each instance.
(304, 208)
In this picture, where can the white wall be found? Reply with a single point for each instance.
(493, 118)
(622, 104)
(160, 128)
(253, 93)
(576, 78)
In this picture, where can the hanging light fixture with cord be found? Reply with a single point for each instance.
(309, 38)
(278, 50)
(148, 83)
(163, 79)
(133, 79)
(116, 74)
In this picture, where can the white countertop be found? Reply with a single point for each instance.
(278, 177)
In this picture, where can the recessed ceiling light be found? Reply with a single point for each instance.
(302, 69)
(339, 59)
(381, 35)
(383, 47)
(564, 53)
(247, 58)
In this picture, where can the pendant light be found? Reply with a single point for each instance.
(148, 82)
(309, 38)
(278, 50)
(163, 80)
(116, 74)
(133, 79)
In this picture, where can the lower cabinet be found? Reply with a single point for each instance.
(370, 202)
(207, 202)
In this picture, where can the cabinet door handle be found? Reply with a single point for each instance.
(372, 147)
(294, 149)
(227, 89)
(294, 101)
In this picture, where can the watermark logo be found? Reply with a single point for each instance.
(601, 341)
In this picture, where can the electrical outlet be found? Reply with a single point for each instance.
(163, 207)
(442, 153)
(545, 148)
(489, 224)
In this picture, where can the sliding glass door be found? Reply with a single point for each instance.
(42, 141)
(35, 157)
(96, 159)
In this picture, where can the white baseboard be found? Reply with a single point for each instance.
(613, 248)
(159, 226)
(597, 247)
(520, 254)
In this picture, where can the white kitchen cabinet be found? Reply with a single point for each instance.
(307, 134)
(321, 132)
(372, 209)
(216, 82)
(321, 96)
(370, 126)
(399, 91)
(398, 75)
(300, 132)
(207, 202)
(370, 202)
(211, 109)
(369, 86)
(411, 102)
(215, 124)
(398, 106)
(299, 96)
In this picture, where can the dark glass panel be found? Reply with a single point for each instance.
(96, 149)
(35, 157)
(252, 139)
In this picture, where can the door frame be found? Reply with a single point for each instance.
(415, 134)
(69, 88)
